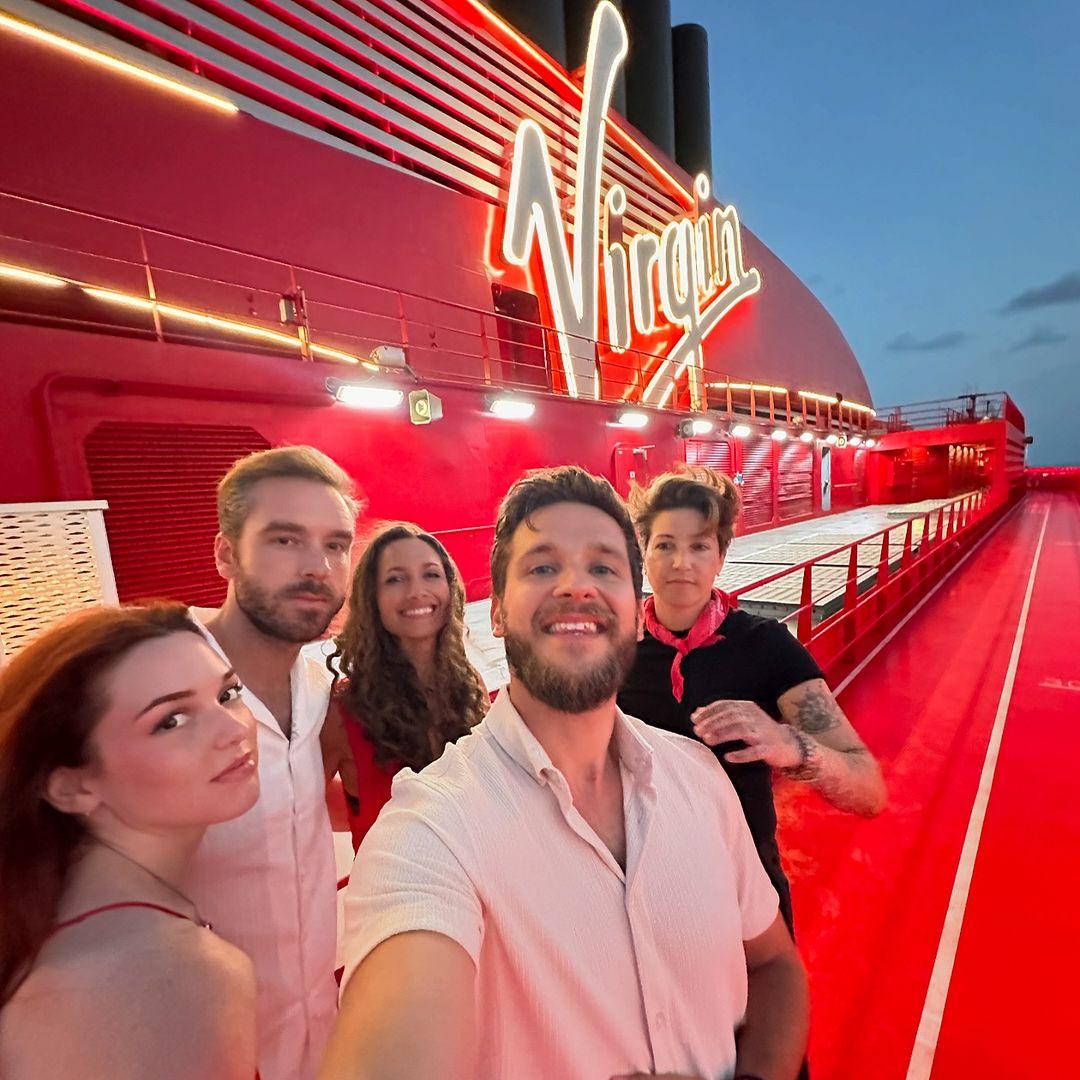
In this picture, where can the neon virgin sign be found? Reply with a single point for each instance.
(698, 262)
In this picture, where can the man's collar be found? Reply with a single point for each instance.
(512, 733)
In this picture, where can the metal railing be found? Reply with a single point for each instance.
(944, 412)
(170, 288)
(872, 599)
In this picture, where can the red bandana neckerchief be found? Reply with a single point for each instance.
(705, 631)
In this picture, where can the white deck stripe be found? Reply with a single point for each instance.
(858, 669)
(926, 1038)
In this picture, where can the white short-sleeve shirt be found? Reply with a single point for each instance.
(583, 971)
(267, 882)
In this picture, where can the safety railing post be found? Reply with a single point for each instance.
(806, 619)
(851, 596)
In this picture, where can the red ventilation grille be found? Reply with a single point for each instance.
(160, 481)
(757, 489)
(716, 453)
(796, 480)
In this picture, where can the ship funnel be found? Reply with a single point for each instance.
(650, 86)
(543, 23)
(693, 129)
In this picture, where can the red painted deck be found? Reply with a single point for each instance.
(871, 896)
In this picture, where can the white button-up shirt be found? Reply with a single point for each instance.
(583, 971)
(267, 882)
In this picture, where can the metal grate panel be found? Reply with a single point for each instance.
(161, 482)
(796, 480)
(757, 489)
(53, 560)
(716, 453)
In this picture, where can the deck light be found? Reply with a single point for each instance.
(741, 431)
(510, 407)
(632, 418)
(779, 434)
(365, 395)
(807, 437)
(855, 440)
(29, 277)
(832, 440)
(691, 426)
(869, 443)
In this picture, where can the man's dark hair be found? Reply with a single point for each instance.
(546, 487)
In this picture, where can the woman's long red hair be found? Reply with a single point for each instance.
(50, 702)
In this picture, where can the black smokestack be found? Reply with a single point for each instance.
(542, 21)
(650, 94)
(693, 128)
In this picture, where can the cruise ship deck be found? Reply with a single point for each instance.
(935, 933)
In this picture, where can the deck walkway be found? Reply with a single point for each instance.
(941, 936)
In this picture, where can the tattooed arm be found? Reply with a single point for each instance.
(837, 763)
(816, 743)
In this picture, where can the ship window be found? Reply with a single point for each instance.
(520, 350)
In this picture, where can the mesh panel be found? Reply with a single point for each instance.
(796, 480)
(48, 568)
(161, 484)
(757, 482)
(716, 453)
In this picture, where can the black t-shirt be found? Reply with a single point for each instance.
(758, 660)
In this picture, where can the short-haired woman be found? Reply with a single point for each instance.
(122, 737)
(408, 687)
(741, 683)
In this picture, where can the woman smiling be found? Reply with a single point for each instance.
(408, 688)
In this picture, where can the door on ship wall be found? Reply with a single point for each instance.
(826, 479)
(631, 464)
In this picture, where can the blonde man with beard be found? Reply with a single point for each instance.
(267, 880)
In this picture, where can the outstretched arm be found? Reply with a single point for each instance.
(816, 744)
(408, 1013)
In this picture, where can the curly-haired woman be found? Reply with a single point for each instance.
(408, 687)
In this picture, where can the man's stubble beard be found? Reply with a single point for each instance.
(566, 692)
(265, 611)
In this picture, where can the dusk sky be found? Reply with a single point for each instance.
(918, 166)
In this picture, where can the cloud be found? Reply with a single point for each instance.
(1066, 290)
(1040, 335)
(907, 342)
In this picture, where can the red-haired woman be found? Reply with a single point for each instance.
(122, 737)
(409, 688)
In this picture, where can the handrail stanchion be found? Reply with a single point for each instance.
(905, 558)
(952, 520)
(926, 546)
(806, 620)
(851, 596)
(883, 573)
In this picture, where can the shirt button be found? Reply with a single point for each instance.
(661, 1019)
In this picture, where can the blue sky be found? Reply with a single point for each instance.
(918, 166)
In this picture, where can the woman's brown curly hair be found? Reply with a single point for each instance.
(383, 692)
